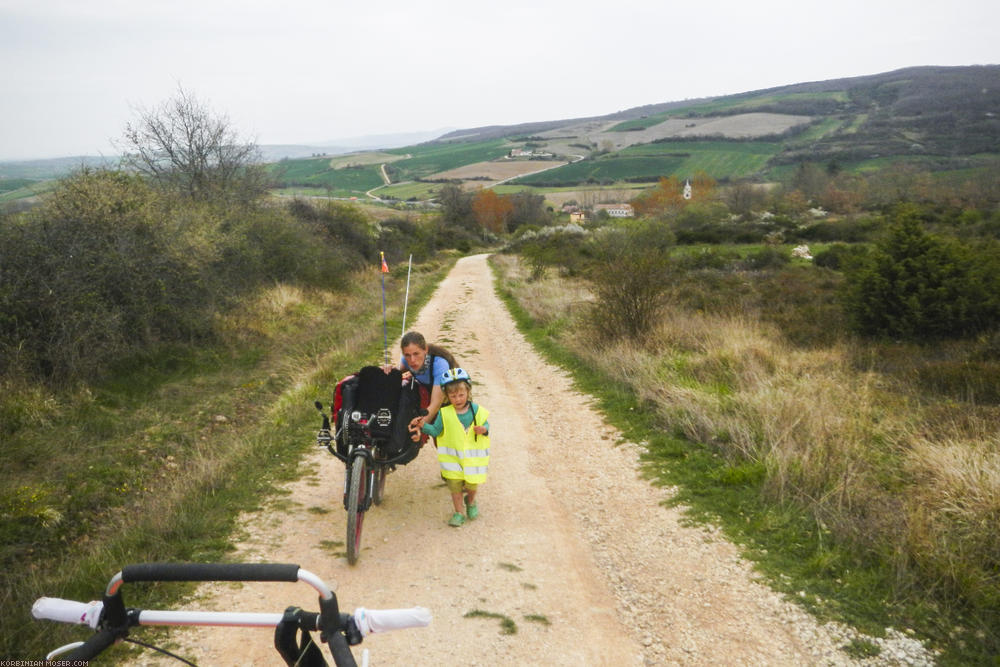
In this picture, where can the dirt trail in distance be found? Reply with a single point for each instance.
(572, 545)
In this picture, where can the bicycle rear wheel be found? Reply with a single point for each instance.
(378, 490)
(355, 508)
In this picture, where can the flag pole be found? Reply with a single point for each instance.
(385, 324)
(406, 299)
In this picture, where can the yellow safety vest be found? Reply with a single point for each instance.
(462, 454)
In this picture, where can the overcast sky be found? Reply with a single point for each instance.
(74, 72)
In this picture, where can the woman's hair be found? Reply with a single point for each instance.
(413, 338)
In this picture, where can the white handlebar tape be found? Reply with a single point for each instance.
(383, 620)
(68, 611)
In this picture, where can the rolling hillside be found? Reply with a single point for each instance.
(942, 119)
(936, 117)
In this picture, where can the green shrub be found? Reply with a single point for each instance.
(92, 274)
(108, 267)
(837, 255)
(768, 257)
(631, 278)
(915, 286)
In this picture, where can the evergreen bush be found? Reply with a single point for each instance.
(915, 286)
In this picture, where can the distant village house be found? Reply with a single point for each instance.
(520, 152)
(616, 210)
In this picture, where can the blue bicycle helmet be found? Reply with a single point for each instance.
(453, 375)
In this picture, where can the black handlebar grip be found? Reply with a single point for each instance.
(210, 572)
(93, 646)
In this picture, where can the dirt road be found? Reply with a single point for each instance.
(569, 536)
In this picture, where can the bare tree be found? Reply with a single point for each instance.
(182, 146)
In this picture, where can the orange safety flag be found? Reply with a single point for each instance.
(385, 267)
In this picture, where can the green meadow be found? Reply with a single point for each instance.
(650, 162)
(320, 173)
(428, 159)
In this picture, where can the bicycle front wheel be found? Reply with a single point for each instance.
(355, 508)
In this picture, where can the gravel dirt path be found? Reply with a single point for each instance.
(572, 545)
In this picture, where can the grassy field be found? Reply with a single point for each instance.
(650, 162)
(15, 189)
(427, 159)
(407, 191)
(332, 176)
(718, 159)
(820, 129)
(607, 171)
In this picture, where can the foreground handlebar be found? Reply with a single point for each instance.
(210, 572)
(383, 620)
(67, 611)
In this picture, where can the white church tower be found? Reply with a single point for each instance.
(687, 189)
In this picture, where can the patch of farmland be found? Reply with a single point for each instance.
(497, 170)
(718, 159)
(743, 126)
(614, 169)
(409, 191)
(363, 159)
(427, 159)
(317, 173)
(591, 136)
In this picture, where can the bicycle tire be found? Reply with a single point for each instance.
(355, 508)
(378, 490)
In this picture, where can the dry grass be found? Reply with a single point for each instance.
(547, 300)
(953, 515)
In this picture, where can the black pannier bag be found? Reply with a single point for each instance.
(383, 401)
(409, 407)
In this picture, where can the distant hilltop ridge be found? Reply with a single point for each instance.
(908, 91)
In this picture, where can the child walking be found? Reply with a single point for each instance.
(463, 443)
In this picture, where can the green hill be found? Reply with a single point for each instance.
(939, 118)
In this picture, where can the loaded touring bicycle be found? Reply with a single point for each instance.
(367, 429)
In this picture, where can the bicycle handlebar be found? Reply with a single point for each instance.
(112, 620)
(210, 572)
(217, 572)
(370, 621)
(67, 611)
(92, 647)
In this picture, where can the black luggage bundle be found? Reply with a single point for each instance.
(379, 405)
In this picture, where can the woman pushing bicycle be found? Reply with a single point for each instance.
(426, 363)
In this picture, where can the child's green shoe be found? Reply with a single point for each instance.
(472, 510)
(456, 519)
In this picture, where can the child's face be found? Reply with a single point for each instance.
(458, 394)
